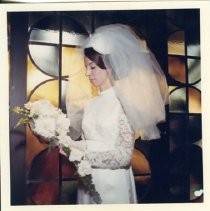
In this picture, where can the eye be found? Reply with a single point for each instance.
(92, 67)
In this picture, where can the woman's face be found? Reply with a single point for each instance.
(97, 76)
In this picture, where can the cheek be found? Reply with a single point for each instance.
(104, 74)
(96, 73)
(99, 74)
(102, 77)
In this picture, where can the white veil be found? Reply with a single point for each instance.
(138, 80)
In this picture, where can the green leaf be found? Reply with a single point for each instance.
(66, 150)
(88, 183)
(23, 120)
(20, 110)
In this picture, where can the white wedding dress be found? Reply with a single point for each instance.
(110, 143)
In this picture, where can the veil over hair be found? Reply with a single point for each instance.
(138, 80)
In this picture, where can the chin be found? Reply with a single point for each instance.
(95, 83)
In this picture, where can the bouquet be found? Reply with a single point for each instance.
(52, 125)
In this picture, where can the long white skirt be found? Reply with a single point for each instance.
(114, 186)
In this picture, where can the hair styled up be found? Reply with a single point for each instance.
(94, 56)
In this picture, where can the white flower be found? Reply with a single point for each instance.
(28, 105)
(49, 121)
(42, 108)
(64, 139)
(45, 127)
(62, 123)
(53, 125)
(76, 155)
(84, 168)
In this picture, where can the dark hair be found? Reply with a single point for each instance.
(94, 56)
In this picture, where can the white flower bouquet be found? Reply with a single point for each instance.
(52, 126)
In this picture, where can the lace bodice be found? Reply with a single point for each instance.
(108, 136)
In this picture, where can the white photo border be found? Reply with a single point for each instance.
(204, 7)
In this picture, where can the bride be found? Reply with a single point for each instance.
(132, 98)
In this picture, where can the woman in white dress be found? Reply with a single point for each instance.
(132, 97)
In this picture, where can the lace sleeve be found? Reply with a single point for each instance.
(119, 157)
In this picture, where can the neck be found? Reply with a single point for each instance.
(106, 85)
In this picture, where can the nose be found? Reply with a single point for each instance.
(88, 71)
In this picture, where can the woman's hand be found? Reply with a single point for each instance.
(80, 145)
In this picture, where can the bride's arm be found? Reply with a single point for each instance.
(120, 156)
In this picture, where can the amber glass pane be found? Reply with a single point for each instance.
(48, 90)
(43, 193)
(73, 67)
(176, 67)
(45, 166)
(177, 100)
(33, 146)
(72, 61)
(176, 43)
(139, 162)
(194, 101)
(140, 165)
(34, 76)
(194, 70)
(171, 88)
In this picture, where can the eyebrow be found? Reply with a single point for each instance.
(91, 63)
